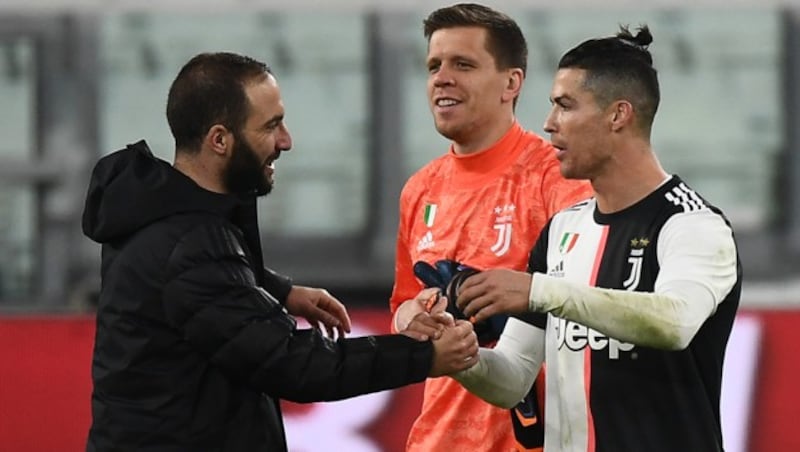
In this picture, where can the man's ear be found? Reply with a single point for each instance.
(513, 84)
(219, 140)
(621, 114)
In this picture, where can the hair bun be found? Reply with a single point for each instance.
(643, 38)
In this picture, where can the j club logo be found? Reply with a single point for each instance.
(636, 258)
(504, 216)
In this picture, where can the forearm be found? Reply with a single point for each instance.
(277, 285)
(313, 368)
(505, 373)
(668, 319)
(256, 341)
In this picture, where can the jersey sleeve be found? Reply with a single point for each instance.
(406, 285)
(505, 373)
(698, 249)
(277, 284)
(699, 268)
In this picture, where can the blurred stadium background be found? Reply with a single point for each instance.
(82, 78)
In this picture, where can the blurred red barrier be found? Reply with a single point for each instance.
(45, 388)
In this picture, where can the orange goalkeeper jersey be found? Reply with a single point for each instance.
(484, 210)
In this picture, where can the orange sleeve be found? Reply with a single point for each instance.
(406, 285)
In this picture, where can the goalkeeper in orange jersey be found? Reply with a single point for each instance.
(482, 204)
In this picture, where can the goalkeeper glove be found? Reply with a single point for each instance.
(448, 275)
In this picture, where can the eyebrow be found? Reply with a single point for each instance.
(460, 57)
(433, 60)
(453, 57)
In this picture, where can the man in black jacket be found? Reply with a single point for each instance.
(194, 344)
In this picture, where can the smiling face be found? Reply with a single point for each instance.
(260, 141)
(470, 98)
(579, 128)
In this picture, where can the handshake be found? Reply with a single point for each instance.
(448, 275)
(433, 314)
(487, 299)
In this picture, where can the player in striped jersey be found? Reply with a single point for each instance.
(630, 295)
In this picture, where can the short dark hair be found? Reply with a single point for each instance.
(209, 90)
(620, 67)
(505, 41)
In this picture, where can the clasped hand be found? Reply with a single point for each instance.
(455, 343)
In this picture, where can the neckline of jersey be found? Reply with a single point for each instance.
(476, 169)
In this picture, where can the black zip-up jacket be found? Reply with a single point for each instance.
(193, 347)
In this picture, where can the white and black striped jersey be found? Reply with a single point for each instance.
(608, 395)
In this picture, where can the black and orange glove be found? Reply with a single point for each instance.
(448, 275)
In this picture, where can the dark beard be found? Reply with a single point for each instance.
(245, 173)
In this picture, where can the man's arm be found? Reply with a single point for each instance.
(277, 285)
(504, 374)
(667, 320)
(698, 261)
(211, 296)
(404, 302)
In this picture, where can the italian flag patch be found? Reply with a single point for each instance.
(568, 241)
(430, 214)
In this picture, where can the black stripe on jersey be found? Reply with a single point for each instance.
(577, 206)
(537, 262)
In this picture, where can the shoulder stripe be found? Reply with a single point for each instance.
(686, 198)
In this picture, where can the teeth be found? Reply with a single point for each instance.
(445, 102)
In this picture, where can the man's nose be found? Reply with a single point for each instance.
(549, 124)
(284, 142)
(442, 77)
